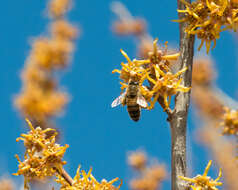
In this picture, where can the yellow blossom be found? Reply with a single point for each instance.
(137, 160)
(6, 184)
(132, 68)
(58, 8)
(207, 18)
(203, 72)
(157, 71)
(63, 30)
(40, 104)
(40, 98)
(204, 182)
(129, 27)
(148, 177)
(159, 57)
(166, 85)
(230, 122)
(83, 180)
(127, 24)
(43, 157)
(208, 104)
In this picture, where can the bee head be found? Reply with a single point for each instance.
(132, 82)
(134, 76)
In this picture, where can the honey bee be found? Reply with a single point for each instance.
(133, 98)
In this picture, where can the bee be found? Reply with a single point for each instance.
(133, 98)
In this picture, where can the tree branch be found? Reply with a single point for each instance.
(178, 120)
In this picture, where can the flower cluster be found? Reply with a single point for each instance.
(41, 98)
(137, 160)
(209, 104)
(57, 8)
(126, 25)
(203, 72)
(157, 71)
(204, 182)
(83, 180)
(212, 139)
(150, 177)
(43, 157)
(6, 184)
(207, 18)
(230, 122)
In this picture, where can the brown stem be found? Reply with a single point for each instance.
(167, 110)
(178, 120)
(65, 175)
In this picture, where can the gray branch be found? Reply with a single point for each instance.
(178, 120)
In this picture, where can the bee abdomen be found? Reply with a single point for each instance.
(131, 96)
(134, 112)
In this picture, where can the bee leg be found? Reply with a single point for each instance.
(123, 101)
(123, 86)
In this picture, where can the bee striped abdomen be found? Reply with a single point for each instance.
(131, 100)
(132, 107)
(134, 111)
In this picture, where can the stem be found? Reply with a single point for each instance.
(167, 110)
(178, 120)
(65, 175)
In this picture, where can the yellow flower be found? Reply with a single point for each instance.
(129, 27)
(151, 178)
(204, 182)
(203, 72)
(6, 184)
(157, 71)
(159, 57)
(230, 122)
(207, 18)
(137, 160)
(166, 85)
(63, 30)
(40, 98)
(131, 69)
(43, 157)
(83, 180)
(41, 104)
(58, 8)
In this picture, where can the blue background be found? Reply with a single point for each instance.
(99, 136)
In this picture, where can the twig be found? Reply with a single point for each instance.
(167, 110)
(178, 120)
(65, 175)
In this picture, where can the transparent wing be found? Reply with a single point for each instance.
(141, 101)
(118, 100)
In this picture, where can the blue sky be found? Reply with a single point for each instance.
(99, 136)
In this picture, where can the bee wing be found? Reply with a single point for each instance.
(141, 101)
(118, 100)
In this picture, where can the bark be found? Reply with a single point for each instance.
(178, 121)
